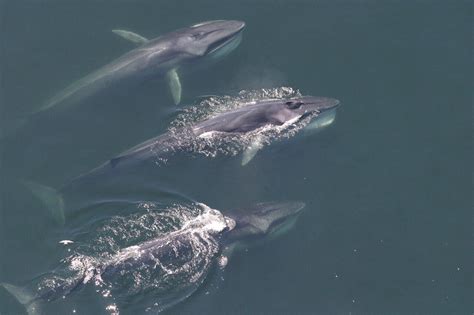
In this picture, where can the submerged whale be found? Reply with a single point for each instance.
(176, 263)
(261, 115)
(164, 56)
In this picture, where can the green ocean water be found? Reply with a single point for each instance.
(388, 224)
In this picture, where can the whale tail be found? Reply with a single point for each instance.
(22, 295)
(51, 199)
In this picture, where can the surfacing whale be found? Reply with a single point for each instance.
(252, 121)
(171, 266)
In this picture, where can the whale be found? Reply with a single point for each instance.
(274, 112)
(161, 57)
(182, 257)
(262, 114)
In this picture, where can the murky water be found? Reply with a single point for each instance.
(387, 226)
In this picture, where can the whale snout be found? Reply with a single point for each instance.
(237, 25)
(323, 103)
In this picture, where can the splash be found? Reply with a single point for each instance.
(159, 256)
(215, 105)
(212, 144)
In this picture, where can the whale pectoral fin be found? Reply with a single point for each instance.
(222, 261)
(251, 150)
(229, 250)
(175, 85)
(223, 258)
(131, 36)
(51, 199)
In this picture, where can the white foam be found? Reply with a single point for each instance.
(210, 220)
(207, 135)
(188, 230)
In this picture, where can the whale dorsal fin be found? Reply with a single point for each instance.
(116, 160)
(131, 36)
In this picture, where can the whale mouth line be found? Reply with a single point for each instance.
(311, 114)
(228, 40)
(283, 225)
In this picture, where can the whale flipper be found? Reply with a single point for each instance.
(131, 36)
(23, 296)
(252, 150)
(51, 198)
(175, 85)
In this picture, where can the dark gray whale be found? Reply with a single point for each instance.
(164, 56)
(265, 113)
(241, 120)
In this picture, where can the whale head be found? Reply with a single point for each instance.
(309, 104)
(263, 221)
(321, 109)
(212, 39)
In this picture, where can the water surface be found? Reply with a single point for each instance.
(388, 186)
